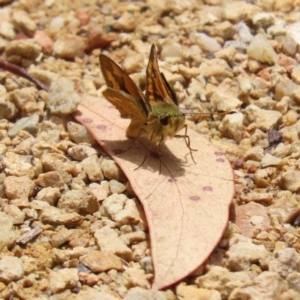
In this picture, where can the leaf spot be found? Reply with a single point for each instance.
(220, 160)
(101, 127)
(118, 151)
(207, 188)
(87, 121)
(218, 153)
(195, 198)
(172, 180)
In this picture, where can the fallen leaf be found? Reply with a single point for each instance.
(186, 205)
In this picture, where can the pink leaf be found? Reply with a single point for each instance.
(186, 206)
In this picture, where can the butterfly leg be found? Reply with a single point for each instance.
(148, 149)
(187, 142)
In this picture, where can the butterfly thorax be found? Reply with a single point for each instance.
(164, 121)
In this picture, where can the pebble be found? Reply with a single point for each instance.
(8, 235)
(270, 160)
(17, 215)
(50, 180)
(261, 50)
(116, 187)
(7, 109)
(242, 254)
(205, 42)
(91, 167)
(91, 294)
(7, 31)
(23, 52)
(236, 11)
(99, 261)
(22, 22)
(68, 46)
(49, 194)
(80, 201)
(111, 170)
(63, 279)
(290, 181)
(189, 292)
(267, 285)
(79, 134)
(29, 124)
(232, 126)
(261, 118)
(109, 241)
(145, 294)
(63, 99)
(45, 41)
(55, 216)
(18, 187)
(11, 269)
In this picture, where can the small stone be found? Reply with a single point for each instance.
(89, 279)
(49, 194)
(91, 167)
(132, 238)
(63, 100)
(18, 165)
(101, 191)
(7, 31)
(143, 293)
(29, 124)
(225, 30)
(79, 134)
(261, 50)
(15, 213)
(290, 181)
(267, 285)
(63, 279)
(264, 19)
(56, 216)
(227, 54)
(108, 241)
(127, 22)
(133, 63)
(293, 280)
(91, 294)
(232, 126)
(99, 261)
(7, 109)
(116, 187)
(80, 201)
(80, 152)
(113, 204)
(217, 68)
(68, 46)
(18, 187)
(11, 269)
(22, 52)
(270, 160)
(189, 292)
(205, 42)
(242, 254)
(111, 170)
(44, 41)
(237, 11)
(171, 49)
(296, 75)
(261, 118)
(23, 22)
(51, 180)
(7, 236)
(286, 87)
(263, 177)
(289, 46)
(137, 277)
(244, 215)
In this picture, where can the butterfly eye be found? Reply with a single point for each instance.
(164, 121)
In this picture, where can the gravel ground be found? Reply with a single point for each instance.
(59, 189)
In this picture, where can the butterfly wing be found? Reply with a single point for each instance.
(157, 87)
(126, 104)
(122, 92)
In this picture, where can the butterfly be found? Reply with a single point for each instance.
(155, 114)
